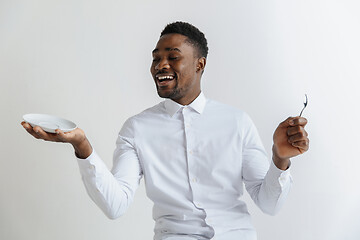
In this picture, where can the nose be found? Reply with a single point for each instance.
(162, 64)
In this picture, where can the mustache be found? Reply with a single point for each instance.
(163, 71)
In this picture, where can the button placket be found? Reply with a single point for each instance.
(186, 117)
(191, 156)
(186, 124)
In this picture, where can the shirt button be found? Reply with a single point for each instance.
(191, 152)
(194, 180)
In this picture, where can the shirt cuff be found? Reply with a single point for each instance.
(278, 176)
(92, 165)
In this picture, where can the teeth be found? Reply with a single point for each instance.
(165, 77)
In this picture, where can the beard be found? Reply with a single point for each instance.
(174, 93)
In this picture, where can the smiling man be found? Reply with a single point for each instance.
(194, 153)
(177, 67)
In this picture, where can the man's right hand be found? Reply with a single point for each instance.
(76, 138)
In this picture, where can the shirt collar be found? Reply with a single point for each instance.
(198, 105)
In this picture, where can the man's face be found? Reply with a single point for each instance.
(175, 69)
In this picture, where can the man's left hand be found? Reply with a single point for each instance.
(290, 140)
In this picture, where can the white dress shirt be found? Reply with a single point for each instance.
(194, 160)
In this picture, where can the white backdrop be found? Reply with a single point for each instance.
(89, 61)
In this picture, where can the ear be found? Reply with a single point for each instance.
(200, 65)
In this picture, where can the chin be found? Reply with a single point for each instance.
(169, 94)
(164, 95)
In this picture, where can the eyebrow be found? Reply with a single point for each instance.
(166, 49)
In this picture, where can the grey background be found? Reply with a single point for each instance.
(89, 61)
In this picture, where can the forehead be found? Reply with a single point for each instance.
(173, 42)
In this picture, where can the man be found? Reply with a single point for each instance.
(194, 153)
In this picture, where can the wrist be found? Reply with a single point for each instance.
(280, 162)
(83, 149)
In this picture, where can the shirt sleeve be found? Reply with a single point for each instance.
(113, 191)
(267, 185)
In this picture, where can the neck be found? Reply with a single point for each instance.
(187, 100)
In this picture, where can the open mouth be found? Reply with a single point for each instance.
(164, 79)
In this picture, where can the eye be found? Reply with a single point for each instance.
(173, 57)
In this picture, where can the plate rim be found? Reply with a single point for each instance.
(51, 130)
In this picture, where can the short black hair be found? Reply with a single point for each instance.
(194, 35)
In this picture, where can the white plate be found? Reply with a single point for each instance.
(49, 123)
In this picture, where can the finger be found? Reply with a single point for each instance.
(286, 123)
(302, 145)
(26, 125)
(297, 137)
(61, 135)
(30, 129)
(296, 121)
(296, 129)
(42, 134)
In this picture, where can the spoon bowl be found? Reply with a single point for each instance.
(305, 104)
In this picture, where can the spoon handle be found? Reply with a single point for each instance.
(302, 111)
(305, 104)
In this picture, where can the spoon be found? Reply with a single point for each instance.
(305, 104)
